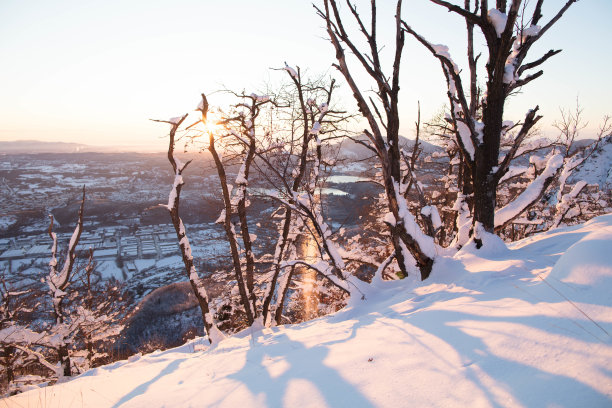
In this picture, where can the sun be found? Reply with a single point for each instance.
(211, 125)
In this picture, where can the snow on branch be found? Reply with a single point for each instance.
(291, 72)
(499, 21)
(58, 280)
(531, 194)
(174, 196)
(566, 203)
(468, 130)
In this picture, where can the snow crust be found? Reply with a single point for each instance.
(528, 326)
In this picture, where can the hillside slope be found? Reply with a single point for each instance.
(524, 326)
(598, 168)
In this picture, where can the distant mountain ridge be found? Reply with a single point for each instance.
(598, 168)
(37, 146)
(353, 150)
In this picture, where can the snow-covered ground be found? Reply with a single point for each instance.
(527, 325)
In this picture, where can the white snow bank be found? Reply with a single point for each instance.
(523, 327)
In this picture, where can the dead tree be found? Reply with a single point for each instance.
(510, 32)
(197, 284)
(569, 126)
(407, 238)
(237, 204)
(98, 311)
(58, 281)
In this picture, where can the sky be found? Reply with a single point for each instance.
(95, 72)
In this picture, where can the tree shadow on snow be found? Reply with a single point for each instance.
(142, 388)
(500, 344)
(294, 361)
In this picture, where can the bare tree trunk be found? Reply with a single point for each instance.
(58, 281)
(231, 233)
(403, 233)
(281, 301)
(181, 234)
(7, 362)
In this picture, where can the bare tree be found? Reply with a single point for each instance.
(99, 306)
(245, 122)
(510, 32)
(569, 126)
(289, 159)
(302, 206)
(410, 244)
(197, 284)
(58, 281)
(284, 146)
(9, 308)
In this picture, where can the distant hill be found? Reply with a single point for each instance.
(37, 146)
(598, 168)
(353, 150)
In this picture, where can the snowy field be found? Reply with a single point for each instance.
(523, 326)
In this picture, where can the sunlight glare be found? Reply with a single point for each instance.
(211, 125)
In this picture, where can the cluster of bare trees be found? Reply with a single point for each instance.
(484, 150)
(83, 317)
(282, 137)
(476, 116)
(281, 145)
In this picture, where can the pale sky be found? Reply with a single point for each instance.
(94, 72)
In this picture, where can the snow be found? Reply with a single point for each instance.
(510, 75)
(109, 269)
(432, 212)
(527, 325)
(169, 261)
(389, 218)
(531, 31)
(316, 128)
(260, 98)
(514, 171)
(464, 221)
(499, 20)
(291, 71)
(442, 50)
(143, 264)
(241, 177)
(425, 242)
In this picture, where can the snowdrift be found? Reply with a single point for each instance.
(524, 326)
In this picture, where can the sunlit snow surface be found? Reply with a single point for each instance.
(527, 325)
